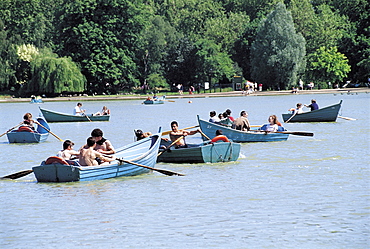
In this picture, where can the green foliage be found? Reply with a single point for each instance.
(278, 51)
(121, 44)
(52, 75)
(103, 36)
(8, 58)
(211, 61)
(327, 64)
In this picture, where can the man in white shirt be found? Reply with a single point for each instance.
(78, 111)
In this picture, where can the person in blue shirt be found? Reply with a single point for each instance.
(313, 105)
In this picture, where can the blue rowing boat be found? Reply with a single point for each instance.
(155, 101)
(24, 134)
(210, 129)
(53, 116)
(142, 152)
(200, 153)
(325, 114)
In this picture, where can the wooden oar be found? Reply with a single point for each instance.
(87, 116)
(166, 172)
(291, 117)
(298, 133)
(168, 132)
(160, 153)
(204, 135)
(18, 174)
(347, 118)
(168, 100)
(255, 126)
(48, 131)
(11, 129)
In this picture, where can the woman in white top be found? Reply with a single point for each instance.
(273, 124)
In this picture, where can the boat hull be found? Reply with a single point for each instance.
(326, 114)
(26, 137)
(142, 152)
(38, 136)
(210, 129)
(52, 116)
(151, 102)
(203, 153)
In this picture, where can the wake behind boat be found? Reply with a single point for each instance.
(240, 136)
(201, 153)
(25, 134)
(53, 116)
(142, 152)
(326, 114)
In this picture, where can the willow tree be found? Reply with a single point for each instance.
(52, 76)
(278, 51)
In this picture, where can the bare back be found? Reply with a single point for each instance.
(87, 157)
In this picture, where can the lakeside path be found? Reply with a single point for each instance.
(196, 95)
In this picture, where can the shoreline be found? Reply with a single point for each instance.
(195, 95)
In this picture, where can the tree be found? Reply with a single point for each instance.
(103, 36)
(278, 51)
(32, 20)
(53, 75)
(8, 58)
(158, 39)
(327, 64)
(212, 62)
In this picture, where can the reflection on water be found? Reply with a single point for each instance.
(306, 192)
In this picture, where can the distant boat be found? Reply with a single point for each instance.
(25, 134)
(201, 153)
(36, 101)
(53, 116)
(157, 101)
(142, 152)
(326, 114)
(210, 129)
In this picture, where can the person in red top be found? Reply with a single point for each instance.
(228, 111)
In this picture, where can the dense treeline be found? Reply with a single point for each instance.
(95, 46)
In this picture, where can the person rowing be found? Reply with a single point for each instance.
(176, 134)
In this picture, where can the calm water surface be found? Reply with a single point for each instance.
(306, 192)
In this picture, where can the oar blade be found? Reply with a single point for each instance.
(18, 174)
(167, 172)
(299, 133)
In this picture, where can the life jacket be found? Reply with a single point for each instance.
(220, 138)
(56, 160)
(25, 129)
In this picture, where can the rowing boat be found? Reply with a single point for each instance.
(142, 152)
(24, 134)
(210, 129)
(200, 153)
(53, 116)
(326, 114)
(154, 101)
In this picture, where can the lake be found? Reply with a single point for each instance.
(306, 192)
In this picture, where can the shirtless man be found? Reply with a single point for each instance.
(242, 123)
(176, 133)
(88, 155)
(103, 145)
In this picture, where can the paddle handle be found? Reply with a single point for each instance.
(165, 172)
(291, 117)
(204, 135)
(87, 116)
(168, 132)
(48, 131)
(11, 129)
(160, 153)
